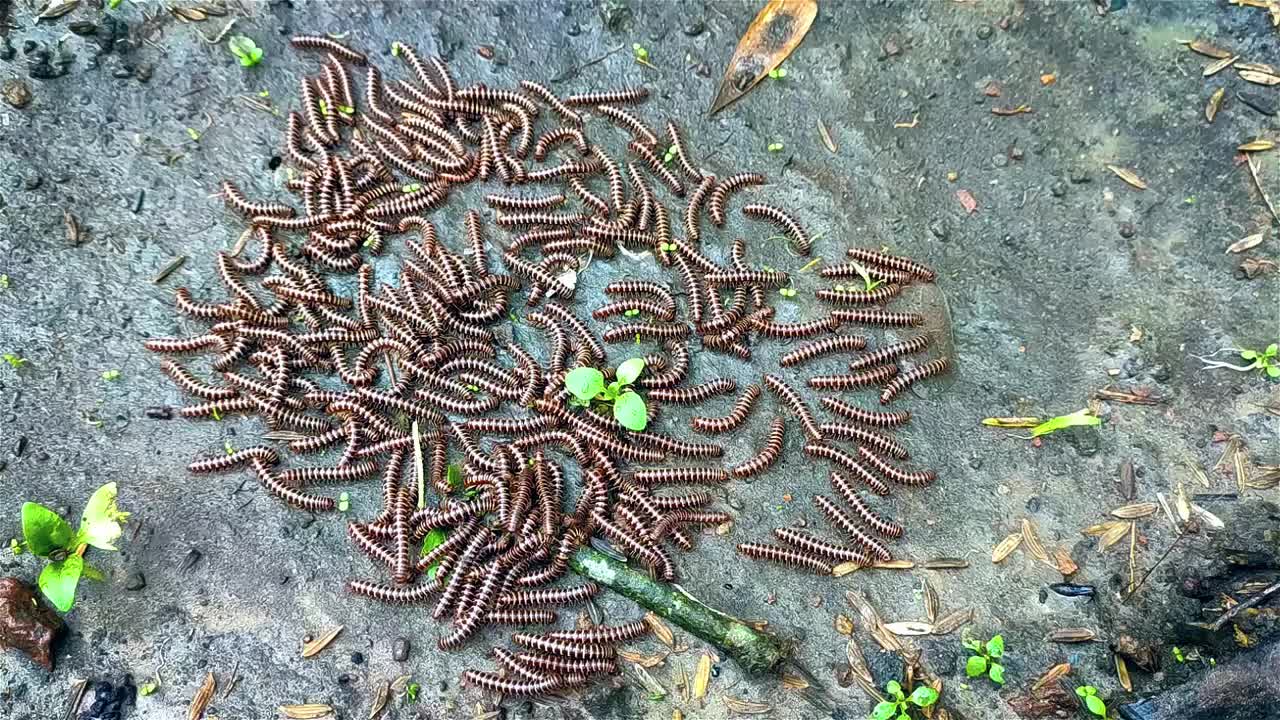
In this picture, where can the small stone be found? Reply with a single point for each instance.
(122, 73)
(1033, 504)
(975, 463)
(1058, 189)
(135, 581)
(32, 180)
(159, 412)
(16, 92)
(485, 51)
(889, 48)
(29, 47)
(1078, 174)
(357, 658)
(615, 14)
(20, 446)
(83, 28)
(26, 623)
(1015, 153)
(1261, 103)
(574, 30)
(1127, 230)
(694, 28)
(1000, 160)
(939, 229)
(144, 72)
(400, 649)
(984, 32)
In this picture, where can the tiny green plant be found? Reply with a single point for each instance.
(1265, 361)
(433, 540)
(787, 292)
(983, 662)
(668, 247)
(245, 50)
(344, 502)
(641, 53)
(1079, 418)
(47, 535)
(14, 361)
(866, 277)
(670, 155)
(148, 688)
(113, 4)
(631, 312)
(777, 73)
(411, 691)
(4, 282)
(194, 134)
(899, 704)
(775, 147)
(1095, 704)
(587, 385)
(111, 375)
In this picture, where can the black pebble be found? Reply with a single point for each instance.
(357, 658)
(29, 47)
(159, 412)
(20, 447)
(135, 581)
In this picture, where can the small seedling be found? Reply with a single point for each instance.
(587, 385)
(1078, 418)
(984, 662)
(775, 147)
(47, 535)
(777, 73)
(411, 691)
(434, 539)
(670, 155)
(346, 110)
(324, 107)
(14, 361)
(4, 282)
(410, 188)
(15, 547)
(897, 707)
(668, 247)
(111, 375)
(1264, 361)
(632, 312)
(113, 4)
(787, 292)
(395, 49)
(866, 277)
(245, 50)
(227, 447)
(1178, 654)
(641, 53)
(264, 94)
(344, 502)
(148, 688)
(194, 134)
(1091, 700)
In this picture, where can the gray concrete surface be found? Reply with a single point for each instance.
(1044, 283)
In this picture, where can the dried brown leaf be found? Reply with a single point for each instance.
(1071, 635)
(1122, 674)
(1208, 49)
(1259, 78)
(1218, 66)
(1257, 67)
(1011, 422)
(1247, 243)
(746, 707)
(844, 625)
(702, 677)
(776, 31)
(1138, 397)
(792, 681)
(1128, 176)
(1062, 559)
(1006, 547)
(200, 702)
(945, 563)
(1135, 510)
(952, 622)
(1031, 539)
(56, 9)
(1113, 535)
(1019, 110)
(1259, 145)
(1054, 673)
(1100, 528)
(189, 14)
(73, 228)
(930, 598)
(1212, 107)
(660, 629)
(315, 646)
(825, 134)
(845, 568)
(380, 700)
(642, 659)
(894, 565)
(306, 712)
(909, 628)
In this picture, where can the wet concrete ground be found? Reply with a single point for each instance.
(1046, 281)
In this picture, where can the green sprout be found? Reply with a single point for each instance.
(1076, 419)
(411, 188)
(14, 361)
(194, 134)
(346, 110)
(787, 292)
(668, 247)
(587, 385)
(775, 147)
(113, 4)
(1091, 700)
(865, 274)
(1264, 361)
(395, 49)
(4, 282)
(226, 446)
(111, 375)
(670, 155)
(148, 688)
(411, 690)
(15, 547)
(641, 53)
(984, 661)
(777, 73)
(1178, 654)
(264, 93)
(433, 540)
(47, 535)
(324, 107)
(245, 50)
(631, 312)
(344, 502)
(897, 707)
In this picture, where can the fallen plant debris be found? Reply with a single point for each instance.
(772, 36)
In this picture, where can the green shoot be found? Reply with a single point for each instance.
(641, 54)
(148, 688)
(1265, 361)
(113, 4)
(1178, 654)
(775, 147)
(1076, 419)
(395, 49)
(411, 691)
(324, 107)
(1092, 701)
(194, 134)
(866, 276)
(777, 73)
(49, 536)
(667, 247)
(245, 50)
(346, 109)
(344, 502)
(264, 93)
(433, 540)
(15, 547)
(410, 188)
(898, 704)
(14, 361)
(217, 416)
(787, 292)
(632, 312)
(111, 375)
(586, 384)
(226, 446)
(4, 282)
(670, 155)
(983, 662)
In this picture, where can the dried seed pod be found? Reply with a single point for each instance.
(907, 379)
(784, 556)
(768, 455)
(878, 441)
(902, 477)
(866, 417)
(841, 521)
(824, 346)
(741, 410)
(883, 318)
(788, 395)
(721, 193)
(855, 502)
(848, 462)
(806, 543)
(893, 262)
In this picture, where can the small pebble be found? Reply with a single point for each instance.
(357, 658)
(400, 649)
(16, 92)
(159, 412)
(20, 446)
(694, 28)
(984, 32)
(135, 581)
(1127, 230)
(939, 229)
(1058, 189)
(1261, 103)
(1000, 160)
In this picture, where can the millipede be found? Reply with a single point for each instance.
(333, 47)
(850, 381)
(734, 278)
(841, 521)
(874, 418)
(871, 438)
(768, 455)
(915, 478)
(855, 296)
(808, 328)
(890, 352)
(848, 462)
(696, 393)
(629, 122)
(883, 318)
(888, 528)
(857, 269)
(565, 665)
(784, 556)
(824, 346)
(737, 415)
(893, 262)
(782, 219)
(680, 476)
(609, 97)
(927, 370)
(798, 406)
(820, 549)
(720, 194)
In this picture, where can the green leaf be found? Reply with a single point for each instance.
(15, 547)
(44, 530)
(973, 645)
(92, 573)
(1096, 706)
(14, 361)
(976, 666)
(630, 411)
(630, 370)
(894, 688)
(1080, 417)
(996, 673)
(995, 646)
(884, 711)
(245, 50)
(344, 502)
(113, 4)
(453, 476)
(584, 382)
(101, 519)
(58, 581)
(148, 688)
(433, 540)
(1273, 371)
(1272, 349)
(924, 696)
(411, 690)
(1085, 690)
(111, 375)
(1248, 354)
